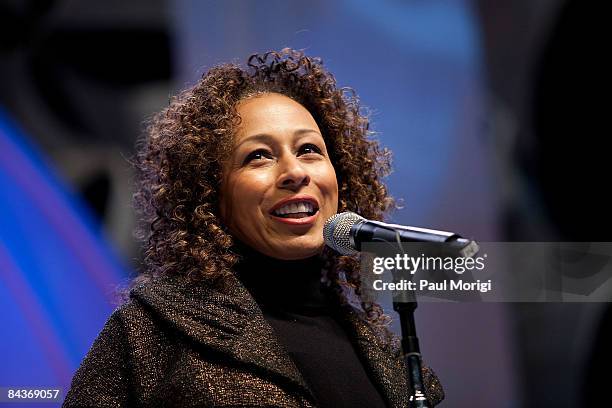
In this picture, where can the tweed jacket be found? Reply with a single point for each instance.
(177, 343)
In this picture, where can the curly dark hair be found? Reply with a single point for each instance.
(180, 157)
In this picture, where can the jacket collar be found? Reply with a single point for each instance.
(230, 322)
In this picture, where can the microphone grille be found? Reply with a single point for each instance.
(337, 232)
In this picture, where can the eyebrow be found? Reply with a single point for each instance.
(264, 137)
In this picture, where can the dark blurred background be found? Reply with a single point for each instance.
(493, 111)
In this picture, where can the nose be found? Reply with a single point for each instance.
(293, 174)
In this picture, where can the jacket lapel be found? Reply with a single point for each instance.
(227, 321)
(385, 367)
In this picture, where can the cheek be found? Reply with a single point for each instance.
(330, 180)
(246, 193)
(329, 185)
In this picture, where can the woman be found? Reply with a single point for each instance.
(240, 303)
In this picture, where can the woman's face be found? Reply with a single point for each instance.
(279, 186)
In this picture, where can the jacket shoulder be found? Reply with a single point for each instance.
(125, 361)
(101, 379)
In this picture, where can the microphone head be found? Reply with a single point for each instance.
(337, 232)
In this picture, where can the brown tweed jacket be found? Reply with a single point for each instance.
(176, 343)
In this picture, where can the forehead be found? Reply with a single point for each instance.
(272, 113)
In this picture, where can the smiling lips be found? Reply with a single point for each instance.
(296, 210)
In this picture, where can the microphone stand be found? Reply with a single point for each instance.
(405, 304)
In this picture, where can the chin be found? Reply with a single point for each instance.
(296, 250)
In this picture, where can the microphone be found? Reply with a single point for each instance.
(345, 232)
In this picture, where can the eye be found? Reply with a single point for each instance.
(259, 154)
(309, 148)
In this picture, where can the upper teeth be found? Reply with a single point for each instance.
(293, 208)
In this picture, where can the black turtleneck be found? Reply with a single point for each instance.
(295, 304)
